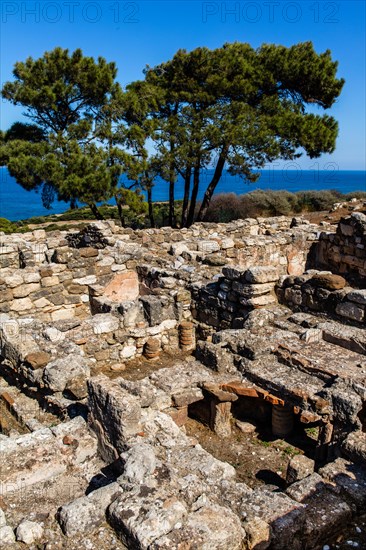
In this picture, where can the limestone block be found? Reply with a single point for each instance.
(64, 370)
(86, 513)
(211, 526)
(215, 357)
(285, 516)
(50, 281)
(328, 281)
(7, 537)
(153, 309)
(354, 447)
(123, 287)
(28, 531)
(21, 304)
(139, 463)
(262, 274)
(128, 351)
(221, 418)
(358, 296)
(115, 415)
(176, 249)
(103, 323)
(207, 246)
(351, 311)
(61, 314)
(232, 273)
(14, 280)
(140, 520)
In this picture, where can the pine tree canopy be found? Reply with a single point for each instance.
(233, 107)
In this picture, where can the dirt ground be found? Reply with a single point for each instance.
(333, 217)
(140, 368)
(258, 458)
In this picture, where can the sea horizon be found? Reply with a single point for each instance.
(17, 204)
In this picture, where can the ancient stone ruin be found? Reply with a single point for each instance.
(201, 388)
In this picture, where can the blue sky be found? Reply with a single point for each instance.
(136, 33)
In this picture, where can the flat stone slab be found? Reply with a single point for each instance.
(124, 287)
(351, 338)
(285, 516)
(287, 383)
(349, 481)
(44, 454)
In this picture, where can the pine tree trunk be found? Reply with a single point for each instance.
(151, 209)
(187, 188)
(120, 212)
(171, 202)
(93, 207)
(212, 185)
(196, 183)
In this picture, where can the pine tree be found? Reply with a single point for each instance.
(68, 152)
(239, 108)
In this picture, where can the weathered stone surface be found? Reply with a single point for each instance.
(245, 427)
(85, 514)
(207, 246)
(211, 526)
(351, 338)
(358, 296)
(261, 274)
(306, 487)
(37, 360)
(29, 531)
(2, 518)
(187, 396)
(123, 287)
(102, 323)
(139, 525)
(139, 463)
(214, 357)
(7, 537)
(326, 513)
(42, 455)
(258, 534)
(221, 418)
(153, 309)
(61, 372)
(177, 249)
(351, 311)
(354, 447)
(349, 481)
(115, 416)
(282, 514)
(298, 468)
(328, 281)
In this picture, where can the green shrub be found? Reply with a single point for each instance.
(7, 226)
(318, 200)
(228, 206)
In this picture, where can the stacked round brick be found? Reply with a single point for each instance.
(186, 335)
(152, 348)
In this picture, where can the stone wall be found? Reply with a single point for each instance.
(344, 252)
(51, 276)
(227, 302)
(325, 293)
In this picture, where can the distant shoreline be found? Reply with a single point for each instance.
(18, 204)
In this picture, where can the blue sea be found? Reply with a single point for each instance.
(17, 204)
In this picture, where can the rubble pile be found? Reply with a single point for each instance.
(114, 341)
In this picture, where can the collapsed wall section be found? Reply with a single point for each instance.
(344, 252)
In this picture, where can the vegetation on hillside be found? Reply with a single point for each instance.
(224, 208)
